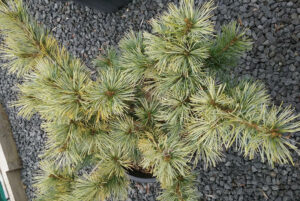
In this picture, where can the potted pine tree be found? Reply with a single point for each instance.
(160, 104)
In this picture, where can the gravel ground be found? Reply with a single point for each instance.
(274, 26)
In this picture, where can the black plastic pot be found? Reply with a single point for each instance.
(104, 5)
(140, 177)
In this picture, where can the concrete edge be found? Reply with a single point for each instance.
(10, 164)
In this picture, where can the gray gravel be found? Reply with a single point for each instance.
(274, 27)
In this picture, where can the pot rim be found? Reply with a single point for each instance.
(140, 179)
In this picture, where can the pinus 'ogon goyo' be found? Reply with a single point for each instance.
(161, 102)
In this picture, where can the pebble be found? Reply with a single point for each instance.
(292, 68)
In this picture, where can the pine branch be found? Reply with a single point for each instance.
(109, 60)
(167, 156)
(109, 179)
(114, 161)
(175, 110)
(182, 190)
(174, 55)
(243, 116)
(180, 40)
(185, 21)
(110, 95)
(97, 187)
(60, 92)
(229, 46)
(61, 146)
(26, 42)
(147, 112)
(93, 141)
(175, 83)
(53, 183)
(134, 60)
(127, 132)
